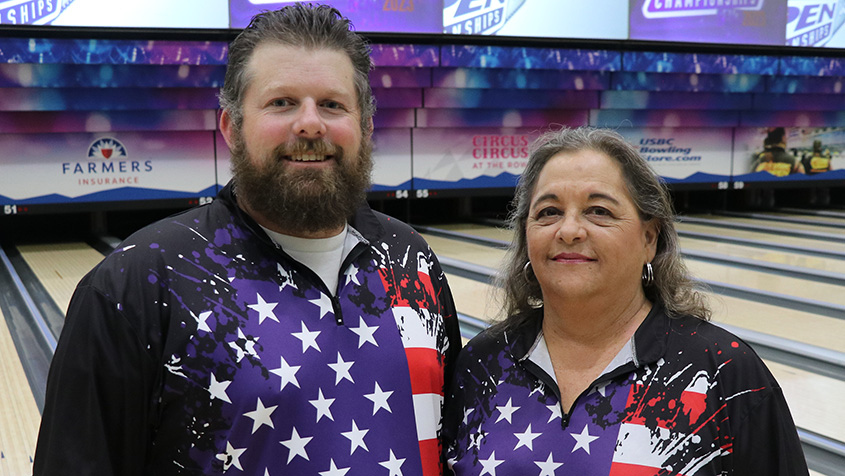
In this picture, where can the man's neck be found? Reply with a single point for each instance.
(270, 225)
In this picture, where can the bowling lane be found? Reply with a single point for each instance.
(766, 255)
(727, 221)
(19, 415)
(483, 231)
(805, 243)
(778, 284)
(818, 219)
(800, 326)
(60, 266)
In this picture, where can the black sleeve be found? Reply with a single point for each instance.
(97, 406)
(453, 337)
(453, 333)
(766, 442)
(453, 409)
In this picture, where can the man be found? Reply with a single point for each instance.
(284, 329)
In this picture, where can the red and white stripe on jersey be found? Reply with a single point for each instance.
(641, 451)
(419, 328)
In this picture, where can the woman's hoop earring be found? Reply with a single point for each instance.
(648, 275)
(525, 270)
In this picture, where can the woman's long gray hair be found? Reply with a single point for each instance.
(672, 286)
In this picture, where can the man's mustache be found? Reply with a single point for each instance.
(309, 146)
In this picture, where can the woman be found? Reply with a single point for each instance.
(606, 363)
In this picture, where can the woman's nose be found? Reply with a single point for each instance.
(570, 229)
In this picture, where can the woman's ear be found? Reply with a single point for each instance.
(652, 233)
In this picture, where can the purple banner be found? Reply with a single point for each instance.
(109, 76)
(530, 58)
(799, 102)
(460, 118)
(745, 22)
(673, 100)
(519, 79)
(397, 98)
(391, 118)
(394, 77)
(79, 99)
(803, 85)
(401, 16)
(811, 66)
(105, 121)
(729, 83)
(405, 55)
(509, 98)
(792, 118)
(656, 62)
(614, 118)
(41, 51)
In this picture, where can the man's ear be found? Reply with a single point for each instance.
(227, 128)
(370, 127)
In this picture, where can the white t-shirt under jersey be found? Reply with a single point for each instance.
(322, 255)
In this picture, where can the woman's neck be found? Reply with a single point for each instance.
(594, 324)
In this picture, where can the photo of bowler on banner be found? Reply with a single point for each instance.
(768, 154)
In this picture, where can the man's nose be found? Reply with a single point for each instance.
(308, 122)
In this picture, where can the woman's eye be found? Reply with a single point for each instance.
(600, 211)
(548, 212)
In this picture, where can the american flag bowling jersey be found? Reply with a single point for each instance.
(684, 397)
(199, 348)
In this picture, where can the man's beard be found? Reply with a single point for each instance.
(298, 199)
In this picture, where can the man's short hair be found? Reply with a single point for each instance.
(302, 24)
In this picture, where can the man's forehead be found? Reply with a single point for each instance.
(268, 51)
(270, 47)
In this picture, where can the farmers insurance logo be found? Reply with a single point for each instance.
(31, 12)
(694, 8)
(107, 158)
(106, 148)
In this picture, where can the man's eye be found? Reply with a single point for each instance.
(280, 103)
(332, 105)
